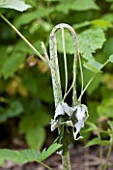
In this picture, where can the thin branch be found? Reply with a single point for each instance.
(43, 164)
(44, 51)
(79, 99)
(25, 40)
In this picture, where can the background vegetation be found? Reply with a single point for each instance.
(26, 96)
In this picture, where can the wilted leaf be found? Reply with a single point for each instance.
(18, 5)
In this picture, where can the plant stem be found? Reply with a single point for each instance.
(108, 156)
(66, 161)
(25, 40)
(79, 99)
(54, 65)
(46, 166)
(101, 154)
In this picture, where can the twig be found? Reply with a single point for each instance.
(25, 40)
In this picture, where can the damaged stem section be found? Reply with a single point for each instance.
(54, 66)
(64, 136)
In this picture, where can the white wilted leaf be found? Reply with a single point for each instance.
(18, 5)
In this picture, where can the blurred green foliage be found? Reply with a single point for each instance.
(25, 81)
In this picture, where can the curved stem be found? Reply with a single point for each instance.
(57, 83)
(65, 60)
(25, 40)
(55, 73)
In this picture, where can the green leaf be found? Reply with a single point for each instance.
(89, 41)
(33, 137)
(28, 155)
(101, 23)
(12, 63)
(97, 141)
(111, 7)
(98, 22)
(110, 58)
(92, 125)
(81, 5)
(60, 8)
(18, 5)
(93, 66)
(14, 110)
(78, 5)
(52, 0)
(110, 123)
(3, 56)
(34, 128)
(108, 17)
(26, 18)
(46, 153)
(82, 24)
(106, 108)
(7, 154)
(109, 0)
